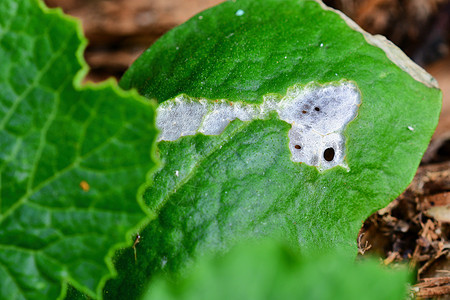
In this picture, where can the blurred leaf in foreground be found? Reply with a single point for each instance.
(273, 271)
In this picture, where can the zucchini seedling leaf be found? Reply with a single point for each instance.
(72, 159)
(277, 118)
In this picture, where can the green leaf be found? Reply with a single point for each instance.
(273, 271)
(72, 159)
(218, 187)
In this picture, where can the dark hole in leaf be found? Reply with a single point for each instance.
(443, 153)
(316, 109)
(432, 203)
(298, 147)
(328, 154)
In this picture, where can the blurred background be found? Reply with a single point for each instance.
(415, 227)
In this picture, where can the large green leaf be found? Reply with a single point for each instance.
(273, 271)
(72, 159)
(246, 182)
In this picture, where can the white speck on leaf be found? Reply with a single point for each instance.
(163, 262)
(200, 17)
(240, 12)
(321, 44)
(177, 173)
(411, 128)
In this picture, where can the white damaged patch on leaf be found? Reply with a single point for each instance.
(318, 115)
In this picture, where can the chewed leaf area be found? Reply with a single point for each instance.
(318, 115)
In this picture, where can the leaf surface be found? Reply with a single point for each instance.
(72, 159)
(242, 183)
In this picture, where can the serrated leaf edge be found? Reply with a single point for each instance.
(112, 84)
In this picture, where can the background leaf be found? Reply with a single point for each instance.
(72, 159)
(273, 271)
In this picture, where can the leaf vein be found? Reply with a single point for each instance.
(34, 84)
(192, 172)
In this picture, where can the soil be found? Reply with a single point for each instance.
(415, 228)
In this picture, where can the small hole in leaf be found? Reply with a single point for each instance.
(304, 111)
(298, 147)
(328, 154)
(316, 109)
